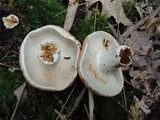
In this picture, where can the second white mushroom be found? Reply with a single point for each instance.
(100, 63)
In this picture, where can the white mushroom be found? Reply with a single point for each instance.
(100, 61)
(48, 58)
(10, 21)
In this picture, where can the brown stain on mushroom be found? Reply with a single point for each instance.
(92, 70)
(48, 75)
(105, 43)
(125, 55)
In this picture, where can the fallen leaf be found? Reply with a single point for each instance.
(134, 113)
(112, 8)
(21, 93)
(140, 42)
(143, 9)
(140, 104)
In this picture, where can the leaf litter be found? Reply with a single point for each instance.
(145, 70)
(112, 8)
(145, 42)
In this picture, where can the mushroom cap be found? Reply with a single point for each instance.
(91, 68)
(54, 77)
(10, 21)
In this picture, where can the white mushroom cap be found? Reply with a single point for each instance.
(100, 61)
(10, 21)
(58, 75)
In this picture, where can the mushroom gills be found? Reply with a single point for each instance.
(100, 67)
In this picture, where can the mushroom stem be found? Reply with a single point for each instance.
(48, 52)
(115, 57)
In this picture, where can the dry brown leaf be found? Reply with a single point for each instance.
(71, 13)
(134, 113)
(113, 8)
(139, 42)
(145, 70)
(151, 25)
(140, 104)
(143, 74)
(143, 9)
(139, 61)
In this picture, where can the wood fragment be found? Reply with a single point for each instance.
(141, 22)
(71, 13)
(91, 105)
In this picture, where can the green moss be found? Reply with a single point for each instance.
(42, 12)
(8, 83)
(131, 11)
(85, 27)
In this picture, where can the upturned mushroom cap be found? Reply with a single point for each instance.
(100, 61)
(48, 58)
(10, 21)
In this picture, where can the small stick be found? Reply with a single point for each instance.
(86, 111)
(9, 66)
(2, 64)
(91, 105)
(78, 100)
(141, 22)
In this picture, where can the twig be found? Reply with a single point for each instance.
(67, 9)
(125, 100)
(65, 102)
(9, 66)
(91, 105)
(121, 105)
(78, 100)
(117, 35)
(5, 55)
(2, 64)
(141, 22)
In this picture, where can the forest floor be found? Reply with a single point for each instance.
(138, 26)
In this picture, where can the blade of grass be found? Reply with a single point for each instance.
(78, 100)
(66, 101)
